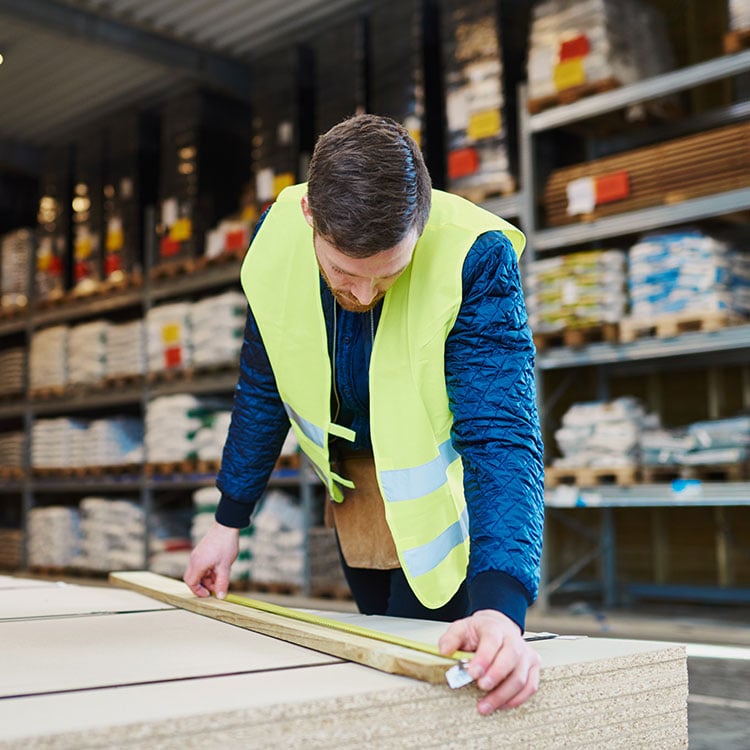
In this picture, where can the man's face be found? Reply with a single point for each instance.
(358, 284)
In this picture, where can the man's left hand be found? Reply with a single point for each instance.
(504, 665)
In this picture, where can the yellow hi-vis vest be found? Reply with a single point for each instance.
(419, 473)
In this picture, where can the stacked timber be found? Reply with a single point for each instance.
(683, 168)
(135, 671)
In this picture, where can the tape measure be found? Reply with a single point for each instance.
(327, 622)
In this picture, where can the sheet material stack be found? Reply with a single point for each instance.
(575, 42)
(48, 358)
(113, 532)
(72, 443)
(739, 15)
(713, 443)
(11, 368)
(205, 502)
(686, 272)
(169, 337)
(576, 290)
(53, 536)
(603, 434)
(11, 450)
(218, 324)
(209, 439)
(87, 352)
(477, 136)
(16, 254)
(52, 442)
(277, 547)
(126, 349)
(173, 424)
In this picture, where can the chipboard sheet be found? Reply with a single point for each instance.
(105, 672)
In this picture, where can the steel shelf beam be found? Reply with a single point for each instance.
(201, 281)
(643, 220)
(13, 408)
(88, 401)
(651, 88)
(112, 483)
(15, 324)
(683, 493)
(733, 338)
(504, 206)
(199, 384)
(87, 307)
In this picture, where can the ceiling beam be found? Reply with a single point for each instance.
(204, 66)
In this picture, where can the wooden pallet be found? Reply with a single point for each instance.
(577, 337)
(105, 288)
(167, 468)
(11, 472)
(223, 259)
(591, 476)
(572, 94)
(668, 326)
(47, 393)
(660, 473)
(736, 472)
(288, 463)
(170, 375)
(123, 381)
(203, 466)
(8, 312)
(736, 41)
(481, 193)
(173, 269)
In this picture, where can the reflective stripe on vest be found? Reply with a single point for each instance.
(419, 472)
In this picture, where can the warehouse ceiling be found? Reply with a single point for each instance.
(69, 62)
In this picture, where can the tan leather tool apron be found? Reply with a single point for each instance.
(364, 536)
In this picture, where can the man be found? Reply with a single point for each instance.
(387, 324)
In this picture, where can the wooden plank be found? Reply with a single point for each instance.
(378, 655)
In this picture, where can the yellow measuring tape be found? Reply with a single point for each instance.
(344, 627)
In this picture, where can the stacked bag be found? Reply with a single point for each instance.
(576, 290)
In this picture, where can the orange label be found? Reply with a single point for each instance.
(612, 187)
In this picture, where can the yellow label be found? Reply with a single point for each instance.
(181, 230)
(416, 134)
(115, 240)
(170, 333)
(484, 124)
(281, 181)
(569, 73)
(83, 248)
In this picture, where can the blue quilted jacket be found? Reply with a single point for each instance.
(489, 371)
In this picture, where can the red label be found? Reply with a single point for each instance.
(236, 240)
(462, 162)
(578, 47)
(173, 356)
(612, 187)
(168, 247)
(112, 264)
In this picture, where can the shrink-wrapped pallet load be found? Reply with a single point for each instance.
(596, 43)
(12, 364)
(576, 290)
(87, 352)
(48, 358)
(126, 349)
(217, 325)
(53, 536)
(16, 253)
(169, 343)
(478, 163)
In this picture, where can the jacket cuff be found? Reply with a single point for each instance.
(493, 589)
(233, 513)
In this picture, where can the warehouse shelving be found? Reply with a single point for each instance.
(699, 349)
(133, 301)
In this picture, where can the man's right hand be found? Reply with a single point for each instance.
(208, 570)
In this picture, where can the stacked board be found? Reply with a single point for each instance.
(88, 667)
(677, 170)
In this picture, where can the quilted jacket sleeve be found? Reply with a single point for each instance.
(257, 431)
(489, 361)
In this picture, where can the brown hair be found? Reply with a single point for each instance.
(368, 185)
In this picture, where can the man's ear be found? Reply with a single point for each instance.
(306, 209)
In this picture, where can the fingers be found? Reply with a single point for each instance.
(518, 684)
(455, 638)
(221, 583)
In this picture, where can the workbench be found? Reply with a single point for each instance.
(95, 666)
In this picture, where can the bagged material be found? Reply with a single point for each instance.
(87, 352)
(217, 325)
(48, 358)
(16, 253)
(126, 349)
(12, 362)
(169, 337)
(53, 536)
